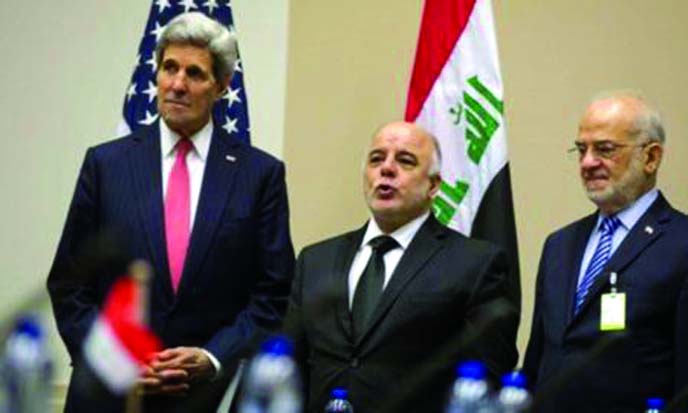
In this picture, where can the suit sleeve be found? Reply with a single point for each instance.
(493, 317)
(293, 321)
(531, 362)
(681, 345)
(274, 267)
(72, 293)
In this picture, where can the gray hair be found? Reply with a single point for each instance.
(199, 30)
(648, 122)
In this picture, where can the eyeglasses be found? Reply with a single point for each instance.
(603, 149)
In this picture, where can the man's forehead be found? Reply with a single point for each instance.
(400, 136)
(613, 110)
(186, 51)
(609, 117)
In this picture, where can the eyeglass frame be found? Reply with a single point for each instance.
(600, 152)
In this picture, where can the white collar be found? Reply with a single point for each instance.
(200, 140)
(403, 235)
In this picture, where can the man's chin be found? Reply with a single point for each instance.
(384, 210)
(600, 195)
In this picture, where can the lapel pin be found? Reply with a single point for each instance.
(230, 158)
(649, 230)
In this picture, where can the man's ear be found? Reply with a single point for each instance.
(653, 157)
(435, 181)
(222, 87)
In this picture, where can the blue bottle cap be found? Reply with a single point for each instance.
(514, 379)
(278, 346)
(28, 326)
(339, 393)
(655, 403)
(471, 369)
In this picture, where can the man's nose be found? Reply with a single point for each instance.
(179, 82)
(388, 167)
(589, 159)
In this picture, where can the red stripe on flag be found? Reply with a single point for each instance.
(441, 26)
(122, 311)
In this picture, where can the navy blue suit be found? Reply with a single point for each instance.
(577, 368)
(240, 260)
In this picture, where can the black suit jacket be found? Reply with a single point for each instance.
(577, 368)
(239, 264)
(446, 301)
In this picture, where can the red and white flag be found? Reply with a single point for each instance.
(119, 344)
(456, 93)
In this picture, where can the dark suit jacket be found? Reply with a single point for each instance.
(445, 302)
(239, 265)
(577, 368)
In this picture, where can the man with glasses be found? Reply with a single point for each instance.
(610, 326)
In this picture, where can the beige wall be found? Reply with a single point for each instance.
(347, 74)
(349, 66)
(346, 71)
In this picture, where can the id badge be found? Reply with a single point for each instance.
(613, 312)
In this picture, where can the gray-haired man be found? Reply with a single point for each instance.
(207, 211)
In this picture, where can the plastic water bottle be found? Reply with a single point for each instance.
(27, 369)
(339, 402)
(513, 397)
(271, 383)
(655, 405)
(470, 391)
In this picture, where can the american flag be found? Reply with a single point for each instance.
(140, 106)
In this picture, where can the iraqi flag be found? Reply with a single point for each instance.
(119, 344)
(456, 93)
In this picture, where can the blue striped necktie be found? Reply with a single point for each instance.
(599, 259)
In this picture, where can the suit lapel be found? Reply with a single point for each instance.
(224, 159)
(648, 229)
(147, 176)
(342, 267)
(572, 259)
(424, 245)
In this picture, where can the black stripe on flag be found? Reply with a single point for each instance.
(495, 222)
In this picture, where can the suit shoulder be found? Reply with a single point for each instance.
(256, 157)
(116, 146)
(569, 228)
(679, 216)
(329, 244)
(454, 237)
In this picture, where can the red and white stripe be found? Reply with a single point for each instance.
(457, 41)
(119, 344)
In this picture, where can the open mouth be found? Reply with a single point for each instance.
(385, 191)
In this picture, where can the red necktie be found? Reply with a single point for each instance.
(177, 212)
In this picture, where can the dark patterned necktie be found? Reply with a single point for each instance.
(370, 285)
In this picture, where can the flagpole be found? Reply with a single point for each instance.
(140, 272)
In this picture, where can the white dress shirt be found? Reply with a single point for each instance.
(195, 160)
(403, 235)
(195, 163)
(628, 216)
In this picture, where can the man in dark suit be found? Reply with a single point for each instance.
(209, 213)
(610, 326)
(389, 309)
